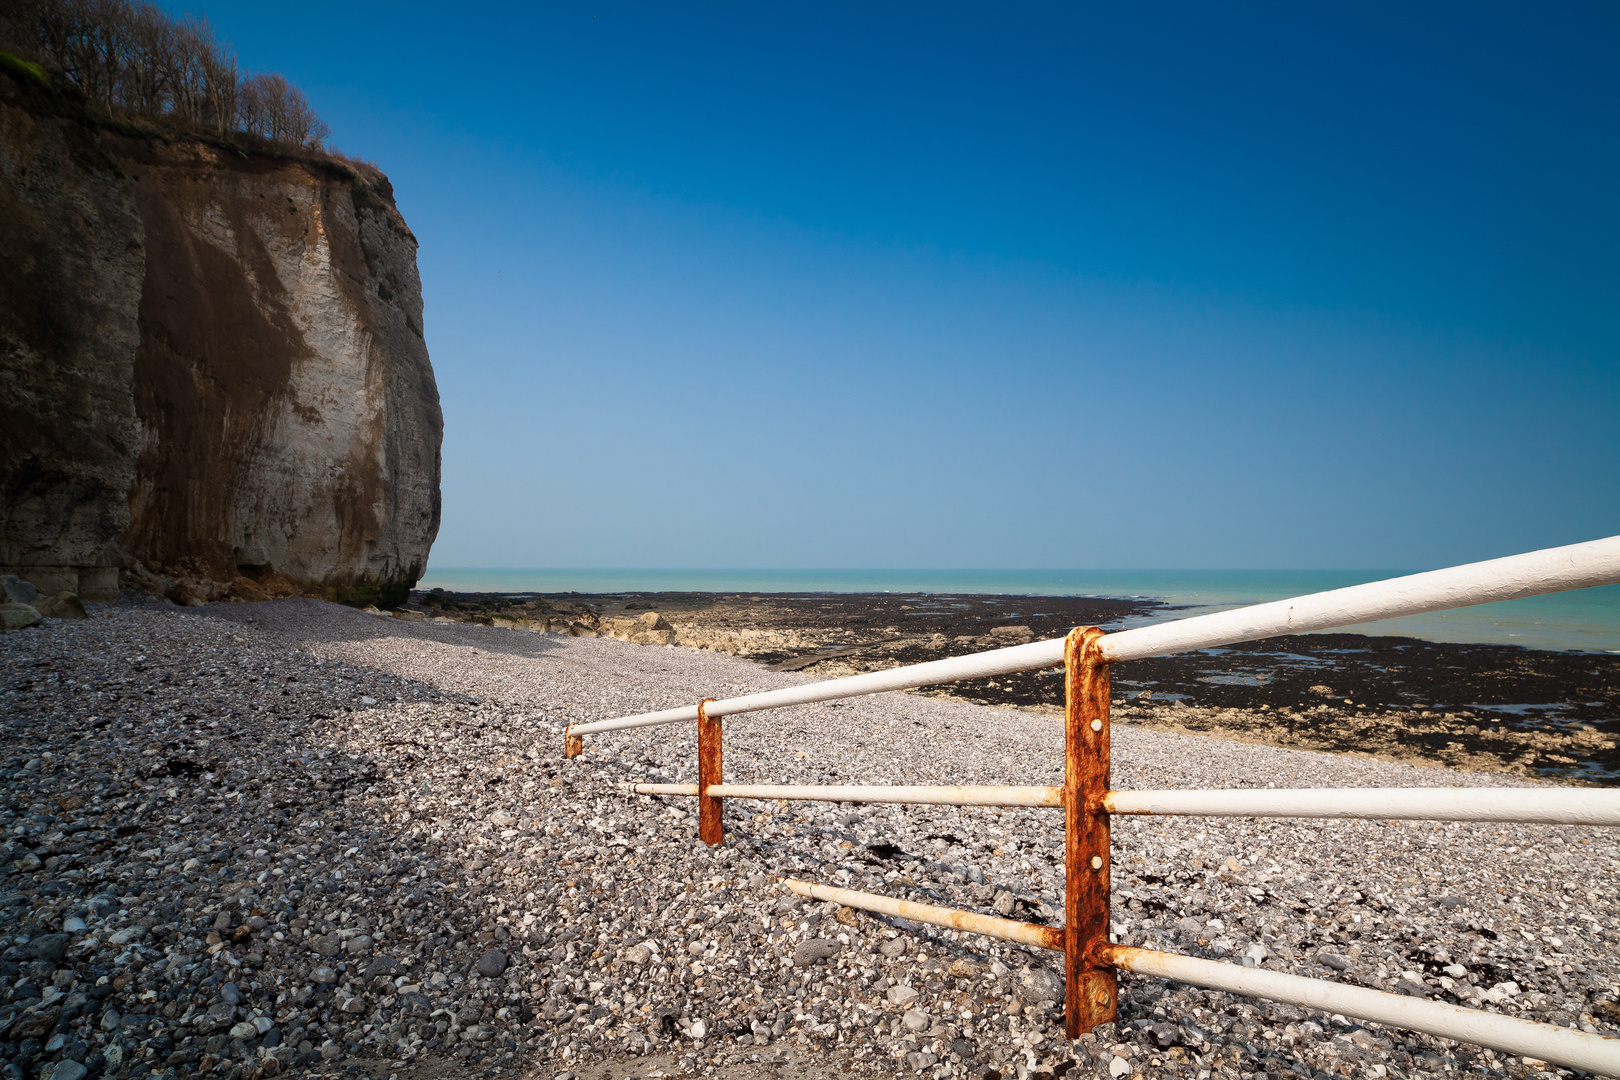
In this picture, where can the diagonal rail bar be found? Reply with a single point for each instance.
(1509, 1034)
(1020, 933)
(1576, 566)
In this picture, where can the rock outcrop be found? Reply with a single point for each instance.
(215, 379)
(650, 628)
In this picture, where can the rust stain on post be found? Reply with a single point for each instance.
(573, 745)
(1090, 984)
(710, 828)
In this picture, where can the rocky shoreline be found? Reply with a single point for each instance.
(1495, 707)
(249, 839)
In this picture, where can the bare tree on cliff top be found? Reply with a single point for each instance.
(275, 108)
(131, 55)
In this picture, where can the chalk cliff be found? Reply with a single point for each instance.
(213, 370)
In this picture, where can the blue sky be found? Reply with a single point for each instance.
(837, 285)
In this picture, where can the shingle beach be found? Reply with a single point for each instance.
(292, 837)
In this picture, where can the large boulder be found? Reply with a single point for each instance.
(17, 616)
(64, 605)
(649, 628)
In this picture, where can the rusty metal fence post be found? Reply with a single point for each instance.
(711, 829)
(1091, 986)
(573, 745)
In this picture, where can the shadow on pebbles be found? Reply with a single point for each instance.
(291, 837)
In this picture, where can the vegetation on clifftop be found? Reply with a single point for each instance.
(132, 60)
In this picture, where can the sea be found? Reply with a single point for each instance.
(1585, 619)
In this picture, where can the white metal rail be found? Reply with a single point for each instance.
(1578, 566)
(1087, 802)
(1535, 806)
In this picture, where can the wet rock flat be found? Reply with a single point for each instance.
(1499, 707)
(249, 839)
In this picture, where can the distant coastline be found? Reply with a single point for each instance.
(1588, 619)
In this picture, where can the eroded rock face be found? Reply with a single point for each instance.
(214, 364)
(71, 266)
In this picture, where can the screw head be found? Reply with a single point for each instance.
(1096, 725)
(1096, 862)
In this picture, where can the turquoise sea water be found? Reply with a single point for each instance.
(1584, 619)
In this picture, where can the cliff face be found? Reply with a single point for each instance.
(214, 366)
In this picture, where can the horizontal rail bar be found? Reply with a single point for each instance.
(1577, 566)
(874, 793)
(1530, 805)
(1021, 933)
(1553, 807)
(1508, 1034)
(662, 789)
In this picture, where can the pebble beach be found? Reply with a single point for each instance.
(243, 840)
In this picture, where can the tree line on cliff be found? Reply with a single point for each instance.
(131, 57)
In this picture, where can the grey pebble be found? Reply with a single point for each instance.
(492, 963)
(813, 951)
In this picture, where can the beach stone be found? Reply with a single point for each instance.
(36, 1025)
(230, 995)
(323, 975)
(901, 994)
(68, 1069)
(1003, 903)
(64, 605)
(813, 951)
(1333, 960)
(492, 963)
(914, 1020)
(381, 965)
(217, 1016)
(50, 946)
(1040, 984)
(893, 947)
(14, 590)
(638, 954)
(359, 945)
(17, 616)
